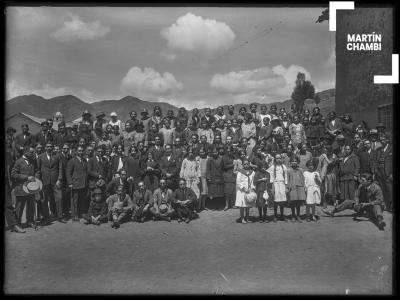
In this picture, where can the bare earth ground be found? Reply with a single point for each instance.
(211, 255)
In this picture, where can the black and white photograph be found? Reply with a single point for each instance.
(201, 149)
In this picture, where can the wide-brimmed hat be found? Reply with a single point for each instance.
(100, 183)
(86, 112)
(373, 131)
(274, 118)
(163, 208)
(380, 125)
(100, 114)
(113, 114)
(32, 187)
(340, 137)
(144, 110)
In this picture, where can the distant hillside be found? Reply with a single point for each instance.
(72, 107)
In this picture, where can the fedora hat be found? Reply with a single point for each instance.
(100, 114)
(32, 187)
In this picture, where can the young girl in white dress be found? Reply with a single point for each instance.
(312, 182)
(244, 185)
(279, 180)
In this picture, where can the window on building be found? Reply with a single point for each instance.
(385, 115)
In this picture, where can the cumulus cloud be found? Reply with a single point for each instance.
(195, 34)
(149, 83)
(75, 29)
(277, 81)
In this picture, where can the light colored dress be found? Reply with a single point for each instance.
(243, 183)
(312, 188)
(191, 172)
(279, 179)
(203, 175)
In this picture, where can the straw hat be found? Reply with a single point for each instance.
(32, 187)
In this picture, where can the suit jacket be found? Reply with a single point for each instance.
(171, 166)
(115, 163)
(77, 173)
(64, 160)
(146, 198)
(43, 139)
(336, 126)
(368, 161)
(50, 170)
(115, 183)
(20, 173)
(185, 194)
(157, 153)
(60, 139)
(350, 168)
(133, 167)
(385, 161)
(96, 168)
(26, 142)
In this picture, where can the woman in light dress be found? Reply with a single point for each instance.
(191, 172)
(244, 184)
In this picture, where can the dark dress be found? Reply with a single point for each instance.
(151, 177)
(261, 187)
(216, 177)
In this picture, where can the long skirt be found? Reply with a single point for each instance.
(216, 190)
(330, 184)
(204, 186)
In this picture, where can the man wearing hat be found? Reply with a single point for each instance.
(385, 171)
(373, 135)
(44, 135)
(50, 170)
(87, 120)
(77, 181)
(97, 212)
(338, 145)
(26, 186)
(253, 110)
(52, 131)
(25, 139)
(100, 120)
(381, 129)
(161, 204)
(133, 121)
(114, 120)
(98, 171)
(145, 119)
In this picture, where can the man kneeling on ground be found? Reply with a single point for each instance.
(368, 198)
(119, 206)
(162, 198)
(97, 212)
(184, 202)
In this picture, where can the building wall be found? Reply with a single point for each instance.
(17, 120)
(356, 92)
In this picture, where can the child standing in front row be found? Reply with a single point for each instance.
(312, 182)
(278, 178)
(297, 193)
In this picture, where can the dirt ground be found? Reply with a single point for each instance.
(210, 255)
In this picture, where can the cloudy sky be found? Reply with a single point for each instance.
(191, 56)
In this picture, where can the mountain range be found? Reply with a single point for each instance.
(72, 107)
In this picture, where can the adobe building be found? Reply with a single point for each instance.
(356, 92)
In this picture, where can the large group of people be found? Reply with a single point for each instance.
(165, 167)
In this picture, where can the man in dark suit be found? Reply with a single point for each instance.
(50, 169)
(184, 201)
(368, 159)
(24, 139)
(385, 171)
(98, 170)
(170, 167)
(333, 125)
(66, 191)
(349, 171)
(44, 135)
(77, 181)
(208, 117)
(157, 149)
(60, 137)
(22, 171)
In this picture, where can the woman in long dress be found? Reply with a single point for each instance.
(190, 171)
(244, 185)
(279, 180)
(215, 177)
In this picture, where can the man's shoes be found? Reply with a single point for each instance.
(298, 219)
(314, 218)
(243, 221)
(381, 225)
(274, 219)
(32, 225)
(18, 229)
(187, 220)
(61, 220)
(180, 220)
(226, 208)
(86, 222)
(116, 225)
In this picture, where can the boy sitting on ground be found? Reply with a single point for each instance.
(97, 212)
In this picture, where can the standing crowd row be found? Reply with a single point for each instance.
(162, 167)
